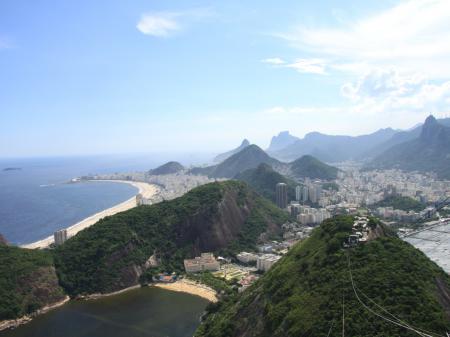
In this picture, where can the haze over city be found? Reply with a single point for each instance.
(143, 76)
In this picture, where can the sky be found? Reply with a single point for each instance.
(113, 76)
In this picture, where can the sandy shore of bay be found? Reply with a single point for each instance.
(145, 189)
(190, 287)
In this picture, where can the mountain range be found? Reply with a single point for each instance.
(331, 148)
(252, 156)
(430, 151)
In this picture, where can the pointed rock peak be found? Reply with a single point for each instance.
(430, 127)
(245, 142)
(430, 120)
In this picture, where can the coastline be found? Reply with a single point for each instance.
(190, 287)
(14, 323)
(147, 190)
(184, 286)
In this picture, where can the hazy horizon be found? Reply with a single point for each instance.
(115, 77)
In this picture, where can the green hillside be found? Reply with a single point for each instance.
(170, 167)
(112, 254)
(306, 292)
(401, 202)
(249, 157)
(27, 281)
(308, 166)
(263, 180)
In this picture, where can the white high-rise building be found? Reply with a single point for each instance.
(298, 192)
(60, 237)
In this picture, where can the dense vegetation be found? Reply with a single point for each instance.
(308, 166)
(27, 281)
(168, 168)
(401, 202)
(263, 180)
(112, 254)
(304, 293)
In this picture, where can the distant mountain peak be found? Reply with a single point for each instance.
(431, 128)
(245, 143)
(223, 156)
(282, 140)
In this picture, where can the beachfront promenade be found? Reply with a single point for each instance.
(145, 189)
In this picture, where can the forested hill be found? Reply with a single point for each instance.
(308, 166)
(168, 168)
(27, 281)
(263, 180)
(114, 253)
(306, 292)
(401, 202)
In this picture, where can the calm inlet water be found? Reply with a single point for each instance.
(142, 312)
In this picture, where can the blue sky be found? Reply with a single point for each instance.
(91, 77)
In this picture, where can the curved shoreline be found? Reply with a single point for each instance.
(147, 191)
(185, 286)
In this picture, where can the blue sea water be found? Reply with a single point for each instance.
(37, 200)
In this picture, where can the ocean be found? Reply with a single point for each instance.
(37, 199)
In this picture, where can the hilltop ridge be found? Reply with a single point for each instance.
(305, 293)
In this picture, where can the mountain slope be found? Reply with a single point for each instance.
(168, 168)
(114, 253)
(248, 158)
(27, 281)
(333, 148)
(282, 140)
(221, 157)
(305, 292)
(308, 166)
(263, 180)
(398, 138)
(429, 152)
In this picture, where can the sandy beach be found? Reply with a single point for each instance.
(190, 287)
(147, 191)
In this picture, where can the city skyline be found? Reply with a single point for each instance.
(200, 76)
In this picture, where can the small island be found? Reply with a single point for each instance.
(12, 169)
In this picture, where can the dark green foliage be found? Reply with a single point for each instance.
(22, 271)
(401, 202)
(263, 180)
(104, 257)
(308, 166)
(302, 294)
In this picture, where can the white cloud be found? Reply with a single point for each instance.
(412, 36)
(159, 24)
(274, 61)
(312, 66)
(390, 92)
(165, 24)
